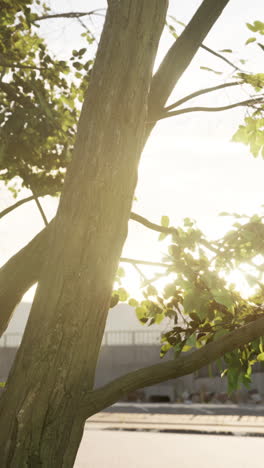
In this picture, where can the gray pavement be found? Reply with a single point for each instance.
(118, 449)
(187, 408)
(211, 419)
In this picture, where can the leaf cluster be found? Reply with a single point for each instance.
(38, 101)
(200, 302)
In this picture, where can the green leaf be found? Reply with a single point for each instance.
(162, 236)
(121, 272)
(141, 312)
(224, 213)
(211, 70)
(260, 357)
(169, 290)
(191, 341)
(165, 221)
(152, 291)
(228, 51)
(159, 318)
(250, 39)
(123, 294)
(114, 300)
(133, 302)
(222, 297)
(164, 349)
(188, 222)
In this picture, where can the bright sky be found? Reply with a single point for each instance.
(189, 167)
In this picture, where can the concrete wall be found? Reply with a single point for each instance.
(115, 361)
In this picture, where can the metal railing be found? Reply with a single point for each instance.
(131, 337)
(110, 338)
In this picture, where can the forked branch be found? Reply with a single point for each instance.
(186, 364)
(187, 110)
(181, 54)
(200, 92)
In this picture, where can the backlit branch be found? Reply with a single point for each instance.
(184, 365)
(199, 93)
(153, 226)
(71, 14)
(42, 213)
(15, 205)
(181, 53)
(248, 102)
(143, 262)
(166, 230)
(213, 52)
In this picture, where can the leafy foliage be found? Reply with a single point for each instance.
(252, 132)
(200, 301)
(38, 97)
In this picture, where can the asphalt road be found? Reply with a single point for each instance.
(180, 408)
(119, 449)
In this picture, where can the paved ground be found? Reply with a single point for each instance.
(181, 408)
(118, 449)
(214, 419)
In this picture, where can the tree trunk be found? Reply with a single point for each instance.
(20, 273)
(41, 416)
(22, 270)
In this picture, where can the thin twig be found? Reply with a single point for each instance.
(40, 207)
(140, 272)
(143, 262)
(166, 230)
(208, 49)
(15, 205)
(199, 93)
(71, 14)
(187, 110)
(213, 52)
(150, 225)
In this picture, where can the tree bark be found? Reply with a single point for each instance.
(20, 273)
(41, 409)
(171, 69)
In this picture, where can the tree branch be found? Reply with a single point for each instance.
(153, 226)
(143, 262)
(166, 230)
(213, 52)
(181, 54)
(40, 208)
(199, 93)
(15, 205)
(187, 110)
(22, 270)
(105, 396)
(16, 65)
(30, 259)
(71, 14)
(20, 273)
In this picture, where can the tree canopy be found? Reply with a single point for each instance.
(39, 97)
(75, 258)
(39, 94)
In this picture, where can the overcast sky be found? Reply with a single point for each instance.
(189, 167)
